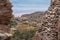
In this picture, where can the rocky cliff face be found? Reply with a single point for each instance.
(49, 28)
(5, 12)
(5, 16)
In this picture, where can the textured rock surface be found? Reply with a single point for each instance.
(5, 16)
(49, 28)
(5, 11)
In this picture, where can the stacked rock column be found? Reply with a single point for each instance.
(5, 15)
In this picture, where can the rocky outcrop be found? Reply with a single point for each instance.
(5, 12)
(5, 16)
(49, 28)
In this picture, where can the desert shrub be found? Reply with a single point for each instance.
(23, 35)
(25, 29)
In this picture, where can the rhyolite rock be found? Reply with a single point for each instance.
(5, 16)
(5, 12)
(49, 29)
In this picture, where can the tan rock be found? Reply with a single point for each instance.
(49, 30)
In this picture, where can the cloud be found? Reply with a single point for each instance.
(20, 14)
(28, 9)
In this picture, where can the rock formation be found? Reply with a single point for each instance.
(49, 30)
(5, 16)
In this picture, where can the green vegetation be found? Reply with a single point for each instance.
(23, 35)
(26, 26)
(25, 30)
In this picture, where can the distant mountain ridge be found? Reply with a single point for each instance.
(36, 16)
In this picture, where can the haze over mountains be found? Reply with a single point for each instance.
(28, 6)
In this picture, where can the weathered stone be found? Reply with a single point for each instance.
(5, 16)
(5, 12)
(49, 29)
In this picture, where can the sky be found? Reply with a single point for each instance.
(27, 6)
